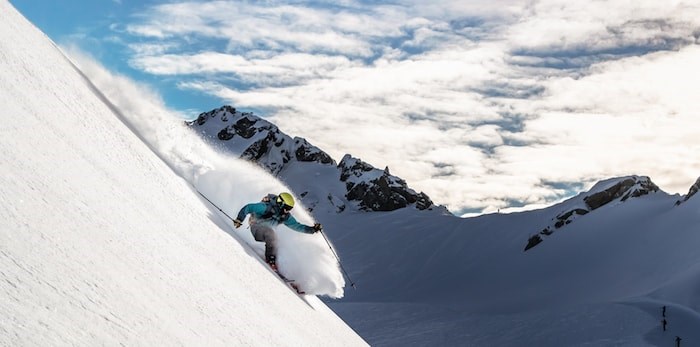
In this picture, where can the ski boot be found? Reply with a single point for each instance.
(272, 262)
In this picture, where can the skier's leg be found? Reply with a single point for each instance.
(258, 232)
(264, 233)
(270, 246)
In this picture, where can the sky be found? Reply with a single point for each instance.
(483, 105)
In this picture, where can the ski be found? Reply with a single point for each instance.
(291, 283)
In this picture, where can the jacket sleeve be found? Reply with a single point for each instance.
(257, 209)
(292, 223)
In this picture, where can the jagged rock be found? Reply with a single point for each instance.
(603, 193)
(204, 117)
(692, 191)
(245, 127)
(306, 152)
(257, 140)
(532, 242)
(377, 190)
(630, 187)
(565, 218)
(259, 148)
(353, 167)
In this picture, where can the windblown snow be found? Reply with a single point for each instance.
(105, 240)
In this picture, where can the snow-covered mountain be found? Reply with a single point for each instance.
(605, 193)
(598, 267)
(600, 280)
(104, 240)
(691, 192)
(613, 257)
(351, 183)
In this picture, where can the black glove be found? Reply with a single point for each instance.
(237, 223)
(317, 227)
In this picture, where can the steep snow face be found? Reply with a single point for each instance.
(102, 244)
(227, 182)
(360, 186)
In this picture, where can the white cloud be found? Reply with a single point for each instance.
(475, 103)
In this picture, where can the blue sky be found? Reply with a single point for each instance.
(94, 27)
(483, 105)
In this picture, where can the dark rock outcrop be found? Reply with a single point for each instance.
(691, 192)
(259, 141)
(533, 241)
(629, 187)
(378, 190)
(614, 190)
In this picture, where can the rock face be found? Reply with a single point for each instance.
(259, 141)
(691, 192)
(377, 190)
(604, 193)
(631, 187)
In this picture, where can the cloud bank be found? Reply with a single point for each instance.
(483, 106)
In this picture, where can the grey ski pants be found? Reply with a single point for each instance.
(264, 233)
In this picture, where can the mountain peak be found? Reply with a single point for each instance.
(378, 190)
(620, 188)
(609, 192)
(257, 140)
(692, 191)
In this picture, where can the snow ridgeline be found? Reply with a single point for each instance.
(100, 243)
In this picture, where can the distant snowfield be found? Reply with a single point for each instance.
(101, 243)
(600, 281)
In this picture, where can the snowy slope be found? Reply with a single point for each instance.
(609, 259)
(606, 262)
(600, 280)
(102, 244)
(135, 253)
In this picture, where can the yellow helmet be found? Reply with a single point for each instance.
(285, 200)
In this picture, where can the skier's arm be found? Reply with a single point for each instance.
(294, 225)
(256, 209)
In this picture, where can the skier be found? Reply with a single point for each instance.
(273, 210)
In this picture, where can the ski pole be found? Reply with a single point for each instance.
(213, 204)
(352, 284)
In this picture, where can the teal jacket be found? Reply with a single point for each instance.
(271, 214)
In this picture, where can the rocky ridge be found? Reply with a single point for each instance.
(608, 192)
(259, 141)
(691, 192)
(378, 190)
